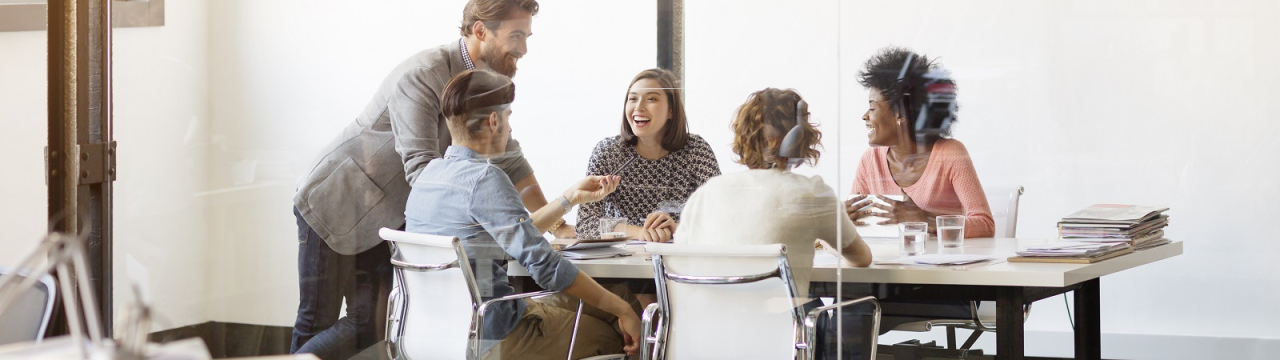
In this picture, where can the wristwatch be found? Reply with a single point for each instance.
(556, 226)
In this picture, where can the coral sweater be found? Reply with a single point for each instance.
(949, 185)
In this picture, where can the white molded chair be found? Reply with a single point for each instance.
(435, 311)
(28, 316)
(729, 302)
(1004, 211)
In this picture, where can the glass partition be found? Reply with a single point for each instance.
(748, 64)
(226, 110)
(1031, 112)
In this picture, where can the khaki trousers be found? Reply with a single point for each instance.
(545, 330)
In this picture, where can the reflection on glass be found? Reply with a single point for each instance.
(232, 101)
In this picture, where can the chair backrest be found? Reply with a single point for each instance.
(28, 316)
(1004, 209)
(435, 297)
(726, 301)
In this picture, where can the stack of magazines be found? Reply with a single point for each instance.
(1139, 226)
(1084, 252)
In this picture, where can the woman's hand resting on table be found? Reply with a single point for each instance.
(658, 227)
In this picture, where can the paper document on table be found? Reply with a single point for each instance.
(1070, 249)
(578, 244)
(871, 230)
(1115, 214)
(596, 253)
(937, 259)
(1151, 244)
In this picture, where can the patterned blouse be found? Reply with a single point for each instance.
(647, 185)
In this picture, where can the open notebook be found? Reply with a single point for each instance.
(878, 231)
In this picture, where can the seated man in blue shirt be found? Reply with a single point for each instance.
(463, 195)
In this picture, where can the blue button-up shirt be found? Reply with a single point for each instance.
(463, 195)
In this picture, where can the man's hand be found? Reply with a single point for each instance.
(630, 324)
(592, 188)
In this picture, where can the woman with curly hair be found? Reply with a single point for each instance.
(768, 204)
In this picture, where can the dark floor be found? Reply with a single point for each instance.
(227, 340)
(376, 352)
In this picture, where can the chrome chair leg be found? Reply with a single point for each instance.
(574, 337)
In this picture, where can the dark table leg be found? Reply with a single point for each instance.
(1009, 317)
(1088, 327)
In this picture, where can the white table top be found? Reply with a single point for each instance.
(999, 273)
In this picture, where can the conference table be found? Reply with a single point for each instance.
(1011, 285)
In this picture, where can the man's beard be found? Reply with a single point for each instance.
(501, 62)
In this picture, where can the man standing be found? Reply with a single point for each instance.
(360, 183)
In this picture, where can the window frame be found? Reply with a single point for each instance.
(30, 16)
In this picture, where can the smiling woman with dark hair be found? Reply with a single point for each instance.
(660, 161)
(911, 106)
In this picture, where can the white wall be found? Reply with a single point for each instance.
(287, 75)
(161, 121)
(736, 48)
(22, 113)
(160, 115)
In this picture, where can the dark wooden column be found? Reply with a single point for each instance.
(671, 36)
(81, 152)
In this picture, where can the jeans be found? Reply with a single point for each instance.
(325, 278)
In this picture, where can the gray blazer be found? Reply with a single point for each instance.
(360, 182)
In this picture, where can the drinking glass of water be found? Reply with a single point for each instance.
(613, 228)
(911, 238)
(951, 231)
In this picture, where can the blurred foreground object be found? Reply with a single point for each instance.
(65, 259)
